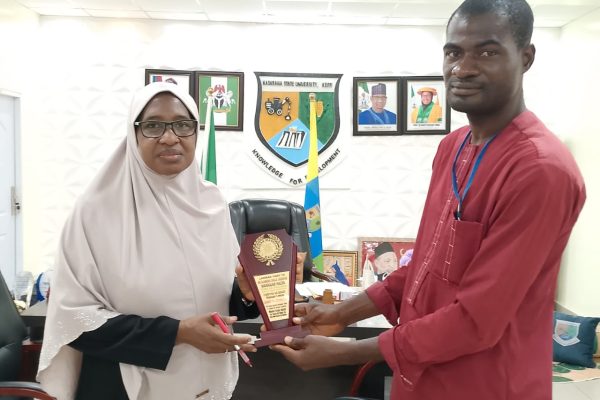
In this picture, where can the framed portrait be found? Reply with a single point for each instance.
(178, 77)
(347, 261)
(376, 106)
(426, 111)
(384, 254)
(225, 92)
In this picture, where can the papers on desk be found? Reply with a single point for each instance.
(23, 288)
(340, 291)
(377, 321)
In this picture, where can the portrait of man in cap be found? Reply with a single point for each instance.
(386, 260)
(385, 254)
(377, 114)
(429, 111)
(425, 110)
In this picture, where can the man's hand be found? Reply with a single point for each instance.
(320, 319)
(245, 285)
(322, 352)
(313, 352)
(202, 333)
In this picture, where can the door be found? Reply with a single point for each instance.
(9, 207)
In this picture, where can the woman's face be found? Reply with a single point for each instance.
(168, 154)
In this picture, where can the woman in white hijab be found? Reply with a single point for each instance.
(147, 254)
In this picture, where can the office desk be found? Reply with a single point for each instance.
(35, 318)
(272, 377)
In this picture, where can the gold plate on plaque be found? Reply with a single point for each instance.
(267, 248)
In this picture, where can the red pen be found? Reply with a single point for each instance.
(219, 321)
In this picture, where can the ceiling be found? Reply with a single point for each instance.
(548, 13)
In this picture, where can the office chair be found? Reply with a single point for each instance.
(259, 215)
(369, 382)
(12, 334)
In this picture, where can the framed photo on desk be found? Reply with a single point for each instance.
(385, 254)
(347, 262)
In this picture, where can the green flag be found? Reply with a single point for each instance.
(209, 153)
(363, 85)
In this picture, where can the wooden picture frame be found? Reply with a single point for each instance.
(227, 92)
(425, 112)
(179, 77)
(367, 250)
(382, 117)
(347, 261)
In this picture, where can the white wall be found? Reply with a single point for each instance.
(18, 39)
(579, 88)
(82, 96)
(18, 30)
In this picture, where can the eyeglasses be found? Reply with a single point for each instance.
(155, 129)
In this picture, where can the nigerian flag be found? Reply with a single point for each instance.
(209, 154)
(311, 197)
(224, 92)
(363, 86)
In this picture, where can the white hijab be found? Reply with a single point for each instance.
(142, 243)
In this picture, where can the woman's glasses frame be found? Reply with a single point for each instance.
(144, 127)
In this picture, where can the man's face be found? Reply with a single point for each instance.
(386, 263)
(426, 98)
(378, 103)
(483, 68)
(168, 154)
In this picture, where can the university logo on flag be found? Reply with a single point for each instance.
(283, 113)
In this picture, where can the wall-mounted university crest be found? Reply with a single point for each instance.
(282, 122)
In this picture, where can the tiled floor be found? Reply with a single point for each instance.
(588, 390)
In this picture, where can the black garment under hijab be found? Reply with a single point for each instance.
(131, 339)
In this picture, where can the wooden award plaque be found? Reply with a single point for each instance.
(269, 262)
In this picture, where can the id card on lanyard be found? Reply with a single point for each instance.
(460, 198)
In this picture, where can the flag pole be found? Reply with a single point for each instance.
(312, 198)
(209, 155)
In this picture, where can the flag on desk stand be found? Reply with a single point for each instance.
(311, 196)
(209, 154)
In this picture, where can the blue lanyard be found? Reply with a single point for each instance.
(458, 213)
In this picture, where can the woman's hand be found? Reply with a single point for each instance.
(301, 256)
(243, 283)
(320, 319)
(202, 333)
